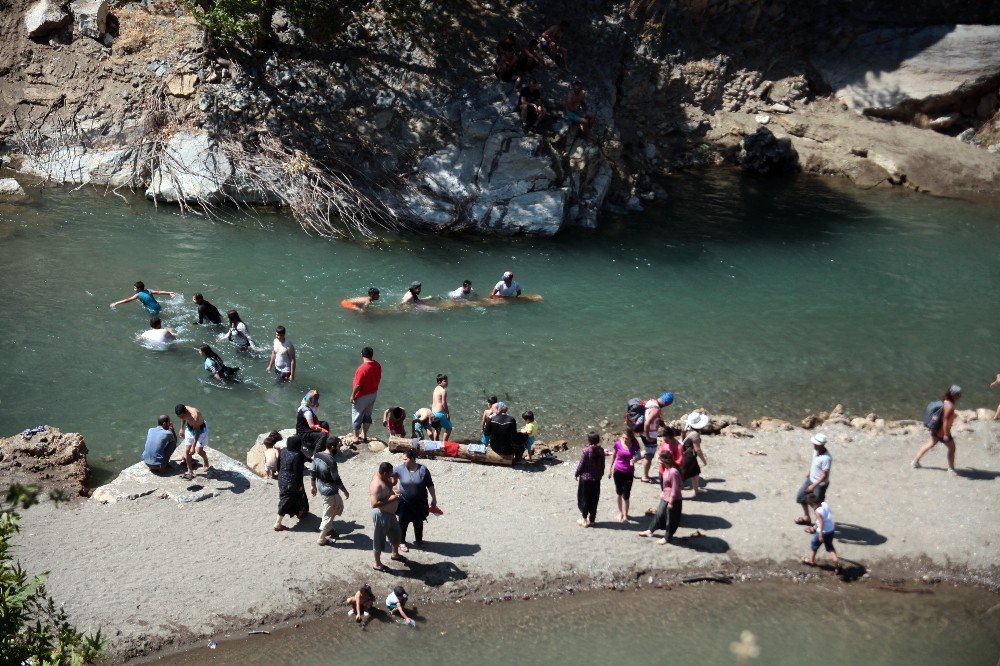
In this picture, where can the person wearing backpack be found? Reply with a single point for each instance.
(938, 418)
(647, 425)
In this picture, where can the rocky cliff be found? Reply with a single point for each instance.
(381, 129)
(46, 457)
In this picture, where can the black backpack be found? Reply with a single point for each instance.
(934, 415)
(635, 414)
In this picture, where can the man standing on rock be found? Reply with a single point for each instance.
(161, 442)
(282, 357)
(439, 407)
(366, 381)
(195, 436)
(819, 477)
(326, 480)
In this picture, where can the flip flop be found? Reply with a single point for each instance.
(807, 562)
(280, 528)
(801, 521)
(398, 558)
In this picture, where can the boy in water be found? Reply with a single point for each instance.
(394, 420)
(364, 302)
(195, 436)
(145, 296)
(822, 531)
(439, 406)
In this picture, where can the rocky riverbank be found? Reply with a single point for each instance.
(127, 95)
(153, 572)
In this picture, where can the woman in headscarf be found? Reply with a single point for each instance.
(292, 499)
(308, 425)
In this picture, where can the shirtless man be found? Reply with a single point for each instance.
(439, 406)
(364, 301)
(195, 431)
(577, 109)
(943, 433)
(551, 43)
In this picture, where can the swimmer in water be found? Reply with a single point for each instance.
(464, 292)
(215, 366)
(364, 302)
(506, 287)
(412, 295)
(156, 334)
(145, 296)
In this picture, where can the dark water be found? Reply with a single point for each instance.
(748, 297)
(828, 623)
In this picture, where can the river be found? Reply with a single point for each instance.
(744, 296)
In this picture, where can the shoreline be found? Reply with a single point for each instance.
(159, 575)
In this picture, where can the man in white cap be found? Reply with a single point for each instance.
(507, 287)
(819, 477)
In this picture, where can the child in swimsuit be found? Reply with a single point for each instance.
(271, 455)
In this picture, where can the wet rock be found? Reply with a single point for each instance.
(10, 188)
(90, 17)
(51, 459)
(44, 17)
(192, 169)
(80, 165)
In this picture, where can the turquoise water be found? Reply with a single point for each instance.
(823, 623)
(747, 297)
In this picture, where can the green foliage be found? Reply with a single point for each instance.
(33, 630)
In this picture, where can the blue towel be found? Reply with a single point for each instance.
(32, 431)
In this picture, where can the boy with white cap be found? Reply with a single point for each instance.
(506, 287)
(819, 477)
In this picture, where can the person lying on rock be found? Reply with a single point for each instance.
(530, 103)
(145, 296)
(577, 109)
(551, 43)
(161, 442)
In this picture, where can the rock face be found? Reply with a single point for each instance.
(191, 168)
(226, 476)
(51, 459)
(9, 187)
(899, 72)
(764, 154)
(44, 17)
(81, 166)
(89, 17)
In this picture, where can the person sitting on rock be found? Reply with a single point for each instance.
(500, 429)
(507, 59)
(528, 60)
(577, 109)
(551, 43)
(157, 335)
(161, 442)
(530, 103)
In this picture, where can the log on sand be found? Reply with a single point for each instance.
(449, 450)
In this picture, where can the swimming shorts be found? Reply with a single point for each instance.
(445, 421)
(190, 439)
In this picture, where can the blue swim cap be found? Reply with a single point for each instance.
(667, 398)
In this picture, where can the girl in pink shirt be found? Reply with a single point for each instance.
(669, 442)
(668, 513)
(623, 458)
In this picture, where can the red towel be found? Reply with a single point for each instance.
(451, 448)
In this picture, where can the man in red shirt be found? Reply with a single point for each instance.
(366, 379)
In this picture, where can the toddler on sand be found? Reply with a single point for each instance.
(529, 429)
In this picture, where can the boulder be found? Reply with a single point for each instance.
(44, 17)
(227, 476)
(80, 165)
(765, 154)
(536, 213)
(810, 422)
(9, 187)
(896, 73)
(736, 431)
(191, 168)
(89, 17)
(770, 424)
(50, 459)
(255, 456)
(181, 85)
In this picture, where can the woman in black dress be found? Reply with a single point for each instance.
(292, 499)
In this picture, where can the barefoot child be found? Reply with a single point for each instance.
(271, 455)
(394, 420)
(396, 601)
(360, 602)
(822, 531)
(529, 429)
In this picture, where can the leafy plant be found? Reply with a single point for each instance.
(33, 630)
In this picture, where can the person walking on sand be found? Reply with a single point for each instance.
(161, 442)
(939, 419)
(282, 357)
(415, 482)
(439, 407)
(691, 451)
(818, 479)
(589, 471)
(384, 504)
(145, 296)
(652, 418)
(623, 457)
(668, 513)
(822, 531)
(195, 431)
(326, 481)
(363, 394)
(292, 500)
(206, 311)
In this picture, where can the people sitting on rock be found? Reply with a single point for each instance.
(145, 296)
(195, 436)
(394, 420)
(161, 442)
(507, 287)
(364, 302)
(412, 295)
(425, 425)
(238, 333)
(501, 429)
(577, 109)
(464, 292)
(215, 366)
(206, 311)
(308, 425)
(156, 335)
(530, 104)
(551, 43)
(528, 60)
(507, 59)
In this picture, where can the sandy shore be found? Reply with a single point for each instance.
(153, 572)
